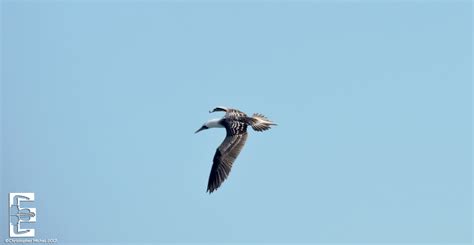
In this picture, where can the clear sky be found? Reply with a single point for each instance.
(100, 101)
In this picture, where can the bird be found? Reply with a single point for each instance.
(235, 123)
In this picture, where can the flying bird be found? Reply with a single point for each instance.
(235, 123)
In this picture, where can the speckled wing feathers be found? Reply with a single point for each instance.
(224, 158)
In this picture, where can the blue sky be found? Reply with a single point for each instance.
(373, 100)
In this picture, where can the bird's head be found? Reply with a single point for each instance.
(203, 127)
(213, 123)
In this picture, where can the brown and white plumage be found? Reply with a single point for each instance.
(235, 122)
(224, 158)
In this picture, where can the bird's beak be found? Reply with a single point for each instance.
(201, 129)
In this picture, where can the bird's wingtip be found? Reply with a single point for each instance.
(219, 108)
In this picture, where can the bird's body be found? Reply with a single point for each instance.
(235, 122)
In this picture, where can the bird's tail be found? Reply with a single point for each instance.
(260, 123)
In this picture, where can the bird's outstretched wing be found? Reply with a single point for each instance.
(230, 113)
(226, 154)
(234, 114)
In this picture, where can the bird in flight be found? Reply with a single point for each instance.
(235, 123)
